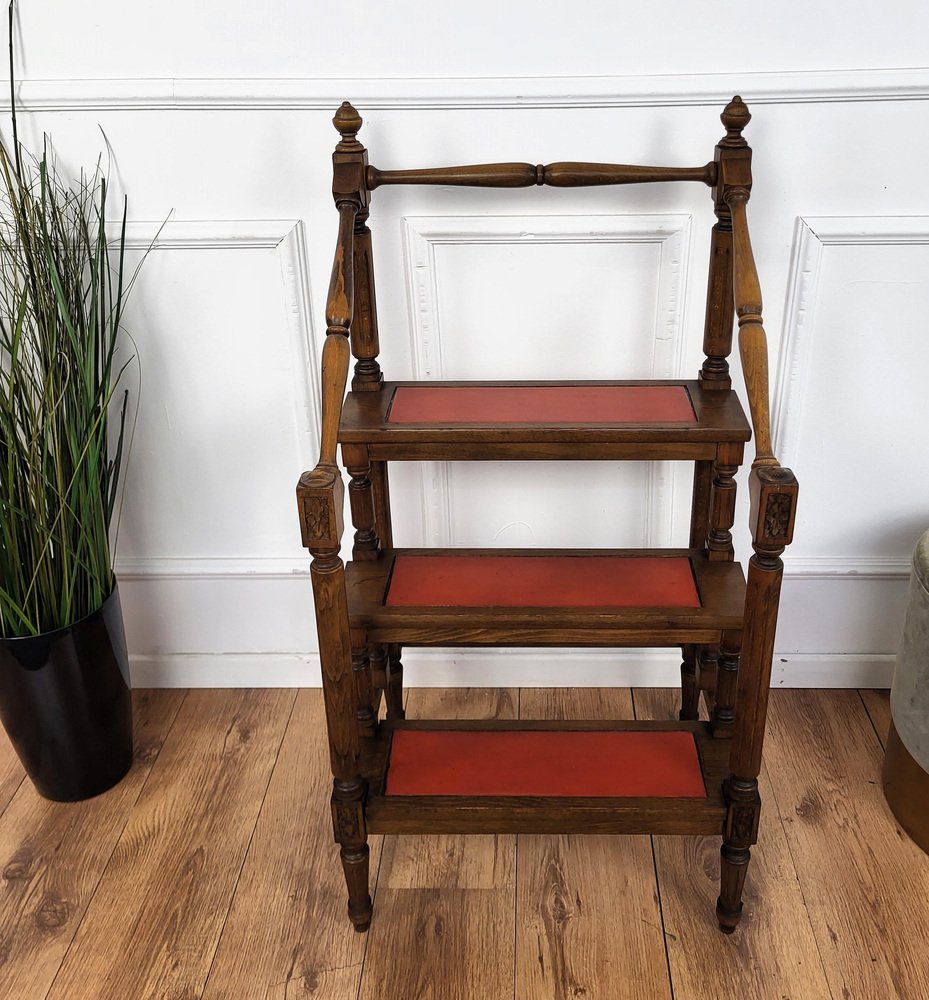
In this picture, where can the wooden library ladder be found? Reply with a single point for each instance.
(682, 776)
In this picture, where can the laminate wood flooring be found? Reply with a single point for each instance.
(210, 872)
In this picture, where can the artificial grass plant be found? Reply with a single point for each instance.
(62, 294)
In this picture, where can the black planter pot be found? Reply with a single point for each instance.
(65, 704)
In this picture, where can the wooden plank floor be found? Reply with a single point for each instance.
(209, 872)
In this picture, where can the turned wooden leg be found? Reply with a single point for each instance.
(349, 824)
(722, 502)
(707, 669)
(377, 655)
(361, 497)
(741, 832)
(365, 341)
(773, 492)
(394, 683)
(344, 663)
(690, 688)
(381, 488)
(700, 508)
(698, 675)
(720, 306)
(727, 677)
(364, 691)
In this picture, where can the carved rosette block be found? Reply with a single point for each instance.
(773, 492)
(741, 829)
(320, 496)
(348, 821)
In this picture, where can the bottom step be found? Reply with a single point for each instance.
(574, 764)
(546, 777)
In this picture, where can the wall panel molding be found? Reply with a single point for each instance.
(287, 239)
(412, 93)
(423, 234)
(209, 234)
(812, 235)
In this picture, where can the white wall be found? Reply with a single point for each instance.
(219, 114)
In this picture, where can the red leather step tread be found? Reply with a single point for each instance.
(542, 404)
(602, 764)
(542, 582)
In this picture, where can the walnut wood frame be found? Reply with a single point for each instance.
(726, 656)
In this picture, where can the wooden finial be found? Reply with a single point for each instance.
(735, 117)
(347, 122)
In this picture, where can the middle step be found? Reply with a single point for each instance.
(545, 597)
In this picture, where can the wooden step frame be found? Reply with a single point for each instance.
(718, 418)
(729, 665)
(719, 585)
(529, 814)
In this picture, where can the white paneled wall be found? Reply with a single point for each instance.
(219, 114)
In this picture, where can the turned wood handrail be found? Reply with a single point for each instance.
(570, 174)
(753, 342)
(334, 378)
(565, 174)
(340, 311)
(340, 302)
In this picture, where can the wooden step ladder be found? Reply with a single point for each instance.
(678, 777)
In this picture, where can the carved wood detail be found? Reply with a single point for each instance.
(726, 636)
(316, 511)
(777, 515)
(516, 175)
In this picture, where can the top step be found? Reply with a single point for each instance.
(488, 420)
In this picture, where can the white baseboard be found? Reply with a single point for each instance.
(224, 670)
(503, 668)
(833, 670)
